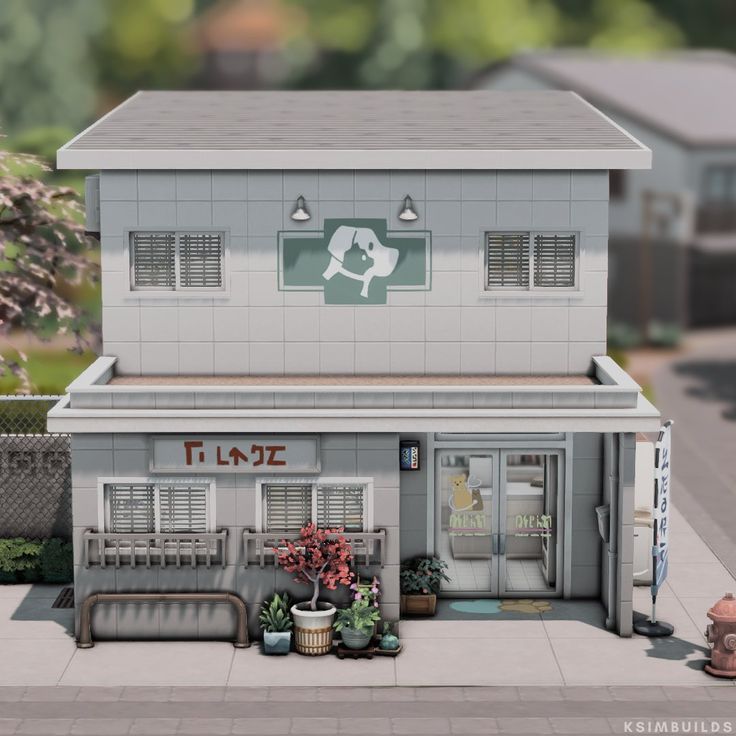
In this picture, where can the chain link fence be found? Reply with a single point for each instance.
(35, 471)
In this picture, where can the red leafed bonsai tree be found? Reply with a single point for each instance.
(318, 556)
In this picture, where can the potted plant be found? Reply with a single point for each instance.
(275, 620)
(318, 557)
(421, 579)
(356, 623)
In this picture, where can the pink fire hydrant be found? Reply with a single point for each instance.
(722, 635)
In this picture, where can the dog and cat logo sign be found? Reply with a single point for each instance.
(355, 261)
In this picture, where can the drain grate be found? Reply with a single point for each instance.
(65, 599)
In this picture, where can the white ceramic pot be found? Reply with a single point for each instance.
(313, 629)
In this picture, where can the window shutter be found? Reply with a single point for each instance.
(288, 508)
(131, 508)
(507, 260)
(554, 260)
(200, 260)
(183, 508)
(153, 260)
(340, 506)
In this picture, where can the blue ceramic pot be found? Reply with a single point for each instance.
(276, 642)
(356, 639)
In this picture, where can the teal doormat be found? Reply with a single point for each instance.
(493, 606)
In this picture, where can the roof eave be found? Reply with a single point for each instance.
(639, 157)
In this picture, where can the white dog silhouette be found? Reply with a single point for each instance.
(342, 240)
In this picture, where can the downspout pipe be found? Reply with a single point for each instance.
(611, 476)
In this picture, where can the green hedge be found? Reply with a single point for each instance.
(31, 561)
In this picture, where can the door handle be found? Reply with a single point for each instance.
(502, 544)
(494, 544)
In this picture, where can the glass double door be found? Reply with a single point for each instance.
(497, 521)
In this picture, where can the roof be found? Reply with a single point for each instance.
(354, 130)
(690, 96)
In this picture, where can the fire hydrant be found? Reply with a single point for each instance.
(722, 635)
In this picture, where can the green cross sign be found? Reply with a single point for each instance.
(355, 261)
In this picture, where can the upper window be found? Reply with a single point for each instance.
(141, 507)
(719, 185)
(523, 261)
(287, 507)
(169, 261)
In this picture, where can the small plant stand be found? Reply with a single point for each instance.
(366, 653)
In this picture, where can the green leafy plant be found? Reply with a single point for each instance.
(423, 576)
(275, 614)
(361, 615)
(26, 560)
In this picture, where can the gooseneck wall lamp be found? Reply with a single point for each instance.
(300, 213)
(408, 213)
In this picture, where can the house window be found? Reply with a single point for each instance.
(288, 506)
(168, 261)
(523, 261)
(143, 507)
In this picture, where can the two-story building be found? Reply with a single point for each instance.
(673, 228)
(378, 310)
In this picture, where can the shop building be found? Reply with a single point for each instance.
(304, 293)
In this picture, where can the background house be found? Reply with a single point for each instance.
(673, 229)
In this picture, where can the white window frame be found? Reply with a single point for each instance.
(367, 483)
(103, 509)
(516, 291)
(178, 291)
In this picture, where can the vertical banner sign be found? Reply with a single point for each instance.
(662, 486)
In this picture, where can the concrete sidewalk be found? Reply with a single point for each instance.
(566, 647)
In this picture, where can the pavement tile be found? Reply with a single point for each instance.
(585, 726)
(50, 694)
(100, 694)
(101, 726)
(445, 694)
(550, 692)
(34, 662)
(685, 693)
(205, 694)
(10, 694)
(297, 694)
(46, 726)
(246, 694)
(260, 726)
(8, 725)
(584, 693)
(489, 694)
(393, 694)
(722, 692)
(146, 694)
(210, 726)
(524, 725)
(154, 726)
(474, 725)
(638, 693)
(420, 725)
(344, 694)
(364, 725)
(302, 725)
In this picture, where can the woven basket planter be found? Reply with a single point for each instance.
(313, 629)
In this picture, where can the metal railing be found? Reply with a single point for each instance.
(128, 549)
(368, 547)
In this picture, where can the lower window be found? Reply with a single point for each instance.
(142, 506)
(287, 505)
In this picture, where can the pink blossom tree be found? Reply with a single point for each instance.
(42, 243)
(319, 556)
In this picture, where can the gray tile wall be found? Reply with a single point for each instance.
(255, 328)
(415, 490)
(587, 492)
(93, 456)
